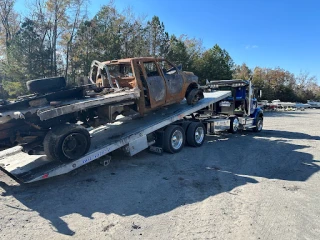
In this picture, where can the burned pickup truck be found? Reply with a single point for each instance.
(54, 118)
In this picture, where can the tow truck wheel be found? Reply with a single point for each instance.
(259, 125)
(196, 134)
(66, 143)
(234, 125)
(174, 139)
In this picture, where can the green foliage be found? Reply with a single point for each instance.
(214, 64)
(242, 72)
(285, 93)
(280, 84)
(28, 54)
(57, 39)
(14, 89)
(178, 53)
(157, 38)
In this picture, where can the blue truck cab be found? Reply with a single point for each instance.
(241, 108)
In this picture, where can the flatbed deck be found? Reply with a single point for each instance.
(105, 139)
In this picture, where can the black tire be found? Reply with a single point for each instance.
(168, 144)
(57, 142)
(46, 85)
(194, 96)
(259, 125)
(47, 146)
(234, 125)
(185, 125)
(196, 134)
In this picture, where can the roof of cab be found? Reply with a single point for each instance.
(232, 82)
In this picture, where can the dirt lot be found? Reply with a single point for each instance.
(243, 186)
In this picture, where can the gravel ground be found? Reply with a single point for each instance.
(242, 186)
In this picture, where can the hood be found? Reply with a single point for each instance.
(191, 77)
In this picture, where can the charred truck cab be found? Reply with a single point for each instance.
(237, 112)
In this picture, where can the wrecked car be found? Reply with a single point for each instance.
(54, 118)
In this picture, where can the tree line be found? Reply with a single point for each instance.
(57, 38)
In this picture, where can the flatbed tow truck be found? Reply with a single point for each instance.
(164, 128)
(227, 105)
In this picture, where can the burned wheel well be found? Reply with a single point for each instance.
(190, 87)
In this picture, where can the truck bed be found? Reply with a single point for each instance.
(105, 139)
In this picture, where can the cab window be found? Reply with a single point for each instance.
(167, 67)
(151, 69)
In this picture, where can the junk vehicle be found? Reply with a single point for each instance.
(237, 112)
(55, 119)
(227, 105)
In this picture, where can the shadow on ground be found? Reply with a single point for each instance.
(297, 113)
(288, 135)
(149, 184)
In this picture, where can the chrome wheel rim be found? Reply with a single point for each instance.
(260, 125)
(235, 124)
(176, 139)
(199, 135)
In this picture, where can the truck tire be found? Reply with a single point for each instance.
(194, 96)
(196, 133)
(234, 124)
(185, 125)
(66, 143)
(174, 139)
(259, 125)
(48, 140)
(46, 85)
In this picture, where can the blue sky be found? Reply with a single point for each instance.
(265, 33)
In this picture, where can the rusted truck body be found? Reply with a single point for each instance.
(54, 118)
(161, 83)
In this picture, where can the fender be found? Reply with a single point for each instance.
(258, 112)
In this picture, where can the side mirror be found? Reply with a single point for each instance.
(179, 67)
